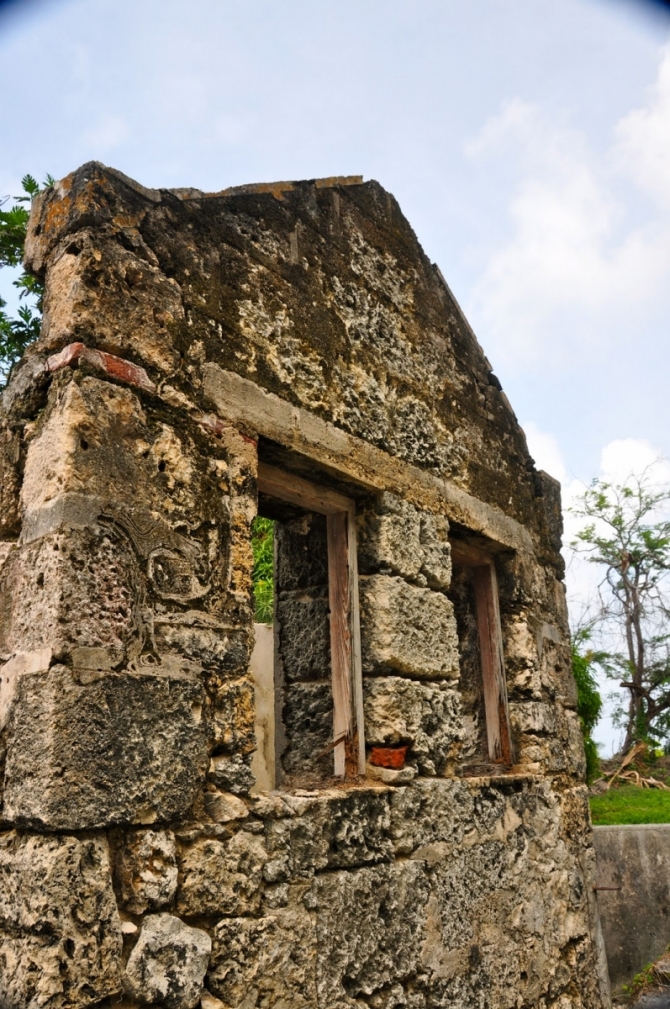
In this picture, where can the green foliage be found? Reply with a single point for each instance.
(630, 804)
(626, 538)
(17, 333)
(589, 701)
(262, 543)
(641, 983)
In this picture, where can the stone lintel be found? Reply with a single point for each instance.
(243, 402)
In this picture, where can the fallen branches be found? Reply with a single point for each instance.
(631, 775)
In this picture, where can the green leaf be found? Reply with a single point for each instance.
(262, 544)
(16, 333)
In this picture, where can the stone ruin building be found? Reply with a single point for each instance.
(378, 802)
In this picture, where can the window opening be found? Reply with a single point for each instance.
(306, 584)
(474, 593)
(262, 658)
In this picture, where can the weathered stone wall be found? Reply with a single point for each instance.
(185, 337)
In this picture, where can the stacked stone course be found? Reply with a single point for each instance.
(185, 337)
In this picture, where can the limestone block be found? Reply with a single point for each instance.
(11, 672)
(533, 717)
(304, 637)
(430, 812)
(436, 551)
(266, 961)
(302, 553)
(223, 807)
(10, 481)
(231, 773)
(407, 630)
(168, 963)
(129, 326)
(307, 718)
(574, 745)
(94, 440)
(425, 715)
(98, 459)
(90, 573)
(390, 776)
(201, 638)
(390, 537)
(146, 870)
(409, 542)
(231, 715)
(466, 877)
(60, 933)
(222, 877)
(100, 749)
(370, 926)
(329, 830)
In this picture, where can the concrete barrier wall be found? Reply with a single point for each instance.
(635, 919)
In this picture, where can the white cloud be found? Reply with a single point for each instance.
(619, 460)
(627, 457)
(545, 450)
(644, 138)
(573, 257)
(516, 117)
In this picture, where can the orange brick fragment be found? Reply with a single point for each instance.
(388, 756)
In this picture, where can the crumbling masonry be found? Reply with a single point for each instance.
(412, 829)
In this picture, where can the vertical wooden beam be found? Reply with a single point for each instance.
(339, 596)
(498, 734)
(358, 751)
(279, 679)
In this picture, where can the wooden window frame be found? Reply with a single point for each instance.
(494, 681)
(348, 742)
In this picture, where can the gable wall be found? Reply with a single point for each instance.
(184, 336)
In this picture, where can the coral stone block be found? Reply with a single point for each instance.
(123, 748)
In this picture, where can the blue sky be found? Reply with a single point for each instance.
(527, 141)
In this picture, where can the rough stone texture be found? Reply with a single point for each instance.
(370, 926)
(221, 877)
(302, 553)
(146, 870)
(303, 693)
(635, 918)
(298, 325)
(268, 960)
(440, 927)
(397, 537)
(407, 630)
(330, 829)
(224, 806)
(231, 774)
(308, 724)
(168, 963)
(113, 748)
(425, 715)
(304, 637)
(60, 933)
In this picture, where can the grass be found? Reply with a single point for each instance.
(630, 804)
